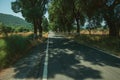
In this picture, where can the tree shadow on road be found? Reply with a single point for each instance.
(31, 66)
(63, 64)
(89, 54)
(65, 59)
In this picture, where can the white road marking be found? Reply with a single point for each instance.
(45, 70)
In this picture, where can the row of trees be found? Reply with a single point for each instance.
(33, 11)
(63, 14)
(4, 30)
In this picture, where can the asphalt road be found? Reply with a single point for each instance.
(69, 60)
(66, 60)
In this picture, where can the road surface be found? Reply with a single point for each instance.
(66, 60)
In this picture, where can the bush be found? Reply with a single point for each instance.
(12, 48)
(2, 59)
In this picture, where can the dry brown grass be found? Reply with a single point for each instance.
(24, 33)
(34, 42)
(105, 43)
(96, 32)
(98, 40)
(19, 33)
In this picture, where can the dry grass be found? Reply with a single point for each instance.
(34, 42)
(24, 33)
(19, 33)
(95, 32)
(106, 43)
(98, 40)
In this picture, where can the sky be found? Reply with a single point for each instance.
(5, 7)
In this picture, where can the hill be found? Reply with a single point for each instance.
(11, 20)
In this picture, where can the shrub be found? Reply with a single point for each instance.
(12, 48)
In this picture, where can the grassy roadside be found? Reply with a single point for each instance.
(103, 42)
(14, 47)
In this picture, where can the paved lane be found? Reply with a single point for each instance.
(69, 60)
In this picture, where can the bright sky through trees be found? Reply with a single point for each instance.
(5, 7)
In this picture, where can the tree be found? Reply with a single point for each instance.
(70, 11)
(45, 24)
(4, 29)
(78, 7)
(79, 10)
(106, 8)
(32, 11)
(64, 19)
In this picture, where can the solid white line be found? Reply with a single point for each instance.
(45, 71)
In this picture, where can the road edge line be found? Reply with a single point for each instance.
(45, 68)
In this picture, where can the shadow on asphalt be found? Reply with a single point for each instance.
(31, 67)
(65, 59)
(89, 54)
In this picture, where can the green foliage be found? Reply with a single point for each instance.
(12, 48)
(10, 20)
(32, 11)
(4, 29)
(2, 53)
(2, 44)
(9, 23)
(21, 29)
(60, 15)
(18, 42)
(106, 8)
(2, 59)
(63, 13)
(45, 25)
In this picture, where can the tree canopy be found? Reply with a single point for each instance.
(32, 11)
(64, 14)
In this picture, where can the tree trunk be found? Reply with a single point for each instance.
(40, 27)
(68, 28)
(64, 29)
(35, 28)
(113, 29)
(90, 31)
(40, 31)
(78, 26)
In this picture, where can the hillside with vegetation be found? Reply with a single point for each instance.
(10, 20)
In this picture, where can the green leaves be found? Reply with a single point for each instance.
(45, 24)
(12, 48)
(30, 8)
(32, 11)
(61, 14)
